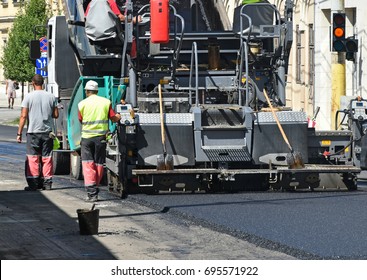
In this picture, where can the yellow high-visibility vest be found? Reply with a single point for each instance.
(94, 111)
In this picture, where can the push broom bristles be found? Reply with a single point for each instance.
(295, 160)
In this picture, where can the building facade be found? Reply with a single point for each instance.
(8, 12)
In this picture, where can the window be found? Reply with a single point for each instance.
(17, 3)
(299, 56)
(311, 54)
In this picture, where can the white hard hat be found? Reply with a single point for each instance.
(91, 85)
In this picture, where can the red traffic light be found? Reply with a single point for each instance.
(339, 19)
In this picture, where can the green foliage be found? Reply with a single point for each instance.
(15, 60)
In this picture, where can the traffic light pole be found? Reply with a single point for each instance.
(338, 78)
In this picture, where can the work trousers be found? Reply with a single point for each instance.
(93, 152)
(38, 169)
(113, 45)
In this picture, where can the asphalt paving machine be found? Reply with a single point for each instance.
(202, 110)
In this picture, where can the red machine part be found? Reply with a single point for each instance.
(159, 21)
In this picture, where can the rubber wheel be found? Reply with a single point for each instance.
(76, 167)
(61, 163)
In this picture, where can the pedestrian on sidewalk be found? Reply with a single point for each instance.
(39, 107)
(10, 92)
(93, 114)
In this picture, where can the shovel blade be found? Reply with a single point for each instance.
(165, 162)
(161, 165)
(168, 162)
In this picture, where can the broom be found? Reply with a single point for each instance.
(165, 160)
(294, 159)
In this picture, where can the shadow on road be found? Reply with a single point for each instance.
(32, 227)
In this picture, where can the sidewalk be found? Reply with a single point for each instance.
(8, 115)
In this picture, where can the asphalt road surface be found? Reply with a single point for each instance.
(307, 225)
(330, 224)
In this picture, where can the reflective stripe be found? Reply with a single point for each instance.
(99, 132)
(95, 122)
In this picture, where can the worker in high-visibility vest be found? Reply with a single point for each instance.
(94, 113)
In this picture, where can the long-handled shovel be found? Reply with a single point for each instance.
(164, 161)
(294, 159)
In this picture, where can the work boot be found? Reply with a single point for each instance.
(47, 187)
(47, 184)
(92, 193)
(91, 198)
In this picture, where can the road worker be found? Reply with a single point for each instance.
(102, 25)
(39, 108)
(94, 113)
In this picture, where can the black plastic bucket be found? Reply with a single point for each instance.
(88, 221)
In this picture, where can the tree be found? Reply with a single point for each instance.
(15, 60)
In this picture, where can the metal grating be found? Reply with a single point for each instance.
(284, 117)
(227, 154)
(171, 118)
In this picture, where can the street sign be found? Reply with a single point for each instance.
(43, 44)
(41, 66)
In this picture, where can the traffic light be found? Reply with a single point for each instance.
(338, 43)
(351, 44)
(351, 47)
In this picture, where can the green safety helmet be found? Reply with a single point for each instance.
(244, 2)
